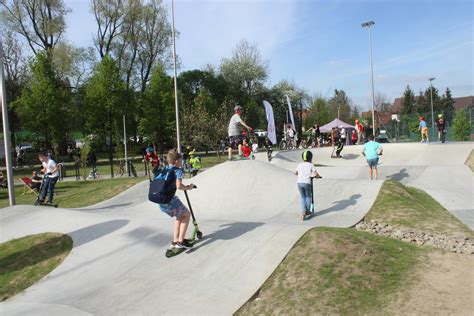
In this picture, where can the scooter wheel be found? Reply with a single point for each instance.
(199, 235)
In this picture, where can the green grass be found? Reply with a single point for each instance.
(408, 207)
(26, 260)
(77, 193)
(336, 271)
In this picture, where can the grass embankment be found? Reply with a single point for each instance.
(25, 261)
(408, 207)
(77, 193)
(335, 271)
(344, 271)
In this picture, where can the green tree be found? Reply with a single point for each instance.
(157, 121)
(44, 104)
(447, 105)
(422, 104)
(318, 113)
(340, 102)
(436, 99)
(461, 126)
(408, 103)
(104, 104)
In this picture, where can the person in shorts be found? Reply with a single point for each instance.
(175, 208)
(424, 129)
(372, 151)
(234, 132)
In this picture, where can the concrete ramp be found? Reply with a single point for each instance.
(439, 169)
(247, 210)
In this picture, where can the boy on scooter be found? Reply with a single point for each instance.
(175, 208)
(305, 171)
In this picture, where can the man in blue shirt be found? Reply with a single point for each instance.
(372, 150)
(424, 129)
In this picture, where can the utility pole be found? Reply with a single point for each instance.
(6, 132)
(178, 132)
(368, 25)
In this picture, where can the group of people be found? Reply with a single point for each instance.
(190, 160)
(423, 128)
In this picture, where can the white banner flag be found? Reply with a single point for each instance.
(291, 112)
(271, 122)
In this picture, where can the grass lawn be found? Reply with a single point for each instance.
(408, 207)
(26, 260)
(336, 271)
(344, 271)
(77, 193)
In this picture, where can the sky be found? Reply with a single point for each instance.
(320, 45)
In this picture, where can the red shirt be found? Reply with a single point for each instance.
(153, 159)
(246, 150)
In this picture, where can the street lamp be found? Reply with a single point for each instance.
(368, 25)
(431, 92)
(178, 134)
(6, 132)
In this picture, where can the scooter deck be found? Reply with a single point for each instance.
(171, 252)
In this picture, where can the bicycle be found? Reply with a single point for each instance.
(120, 170)
(286, 144)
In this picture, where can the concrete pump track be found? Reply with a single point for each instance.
(249, 214)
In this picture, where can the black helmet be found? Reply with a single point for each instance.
(307, 156)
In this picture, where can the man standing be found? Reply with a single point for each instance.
(424, 129)
(51, 175)
(234, 132)
(360, 130)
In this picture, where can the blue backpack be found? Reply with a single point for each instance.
(163, 186)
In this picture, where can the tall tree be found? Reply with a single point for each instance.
(408, 103)
(422, 104)
(104, 102)
(15, 66)
(110, 16)
(429, 92)
(245, 70)
(447, 105)
(40, 22)
(44, 104)
(340, 102)
(318, 112)
(157, 122)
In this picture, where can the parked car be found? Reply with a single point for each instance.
(261, 133)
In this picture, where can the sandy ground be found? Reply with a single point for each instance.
(444, 286)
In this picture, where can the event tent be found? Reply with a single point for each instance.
(336, 122)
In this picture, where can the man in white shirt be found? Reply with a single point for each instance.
(234, 132)
(51, 175)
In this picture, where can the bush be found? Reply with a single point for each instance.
(461, 126)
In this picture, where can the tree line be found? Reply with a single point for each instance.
(56, 89)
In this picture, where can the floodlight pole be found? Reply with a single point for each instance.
(432, 115)
(178, 132)
(368, 25)
(6, 132)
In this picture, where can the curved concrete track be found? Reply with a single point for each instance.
(248, 211)
(439, 169)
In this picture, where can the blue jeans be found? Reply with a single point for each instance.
(48, 188)
(306, 194)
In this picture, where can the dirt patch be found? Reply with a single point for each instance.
(445, 286)
(470, 161)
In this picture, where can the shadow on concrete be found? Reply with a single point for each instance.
(228, 232)
(150, 236)
(90, 233)
(349, 156)
(340, 205)
(399, 176)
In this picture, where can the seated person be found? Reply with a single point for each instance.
(35, 181)
(246, 150)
